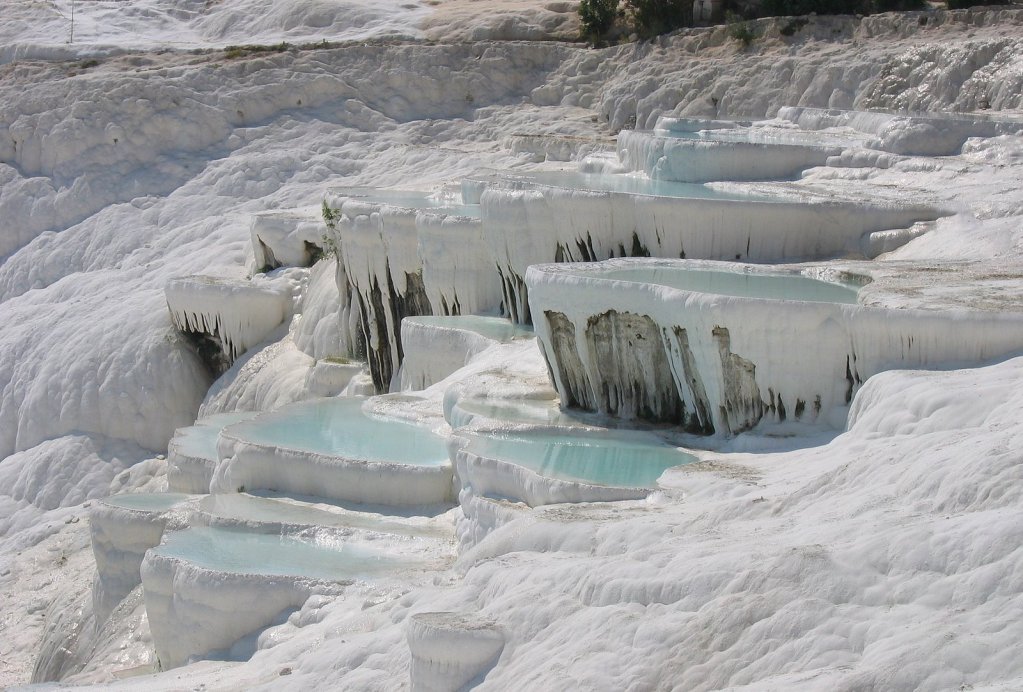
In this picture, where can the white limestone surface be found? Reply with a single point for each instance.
(204, 602)
(917, 134)
(627, 337)
(700, 160)
(450, 650)
(290, 238)
(192, 452)
(238, 314)
(881, 560)
(437, 346)
(329, 448)
(378, 248)
(556, 223)
(457, 267)
(123, 528)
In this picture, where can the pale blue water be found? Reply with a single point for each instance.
(339, 427)
(497, 328)
(631, 184)
(771, 137)
(243, 552)
(415, 200)
(147, 502)
(738, 284)
(200, 440)
(513, 411)
(244, 507)
(616, 462)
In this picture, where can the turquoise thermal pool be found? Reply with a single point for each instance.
(624, 183)
(339, 427)
(736, 283)
(200, 440)
(608, 461)
(147, 502)
(496, 328)
(240, 507)
(423, 201)
(243, 552)
(544, 411)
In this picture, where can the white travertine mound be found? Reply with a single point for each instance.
(450, 650)
(641, 347)
(237, 314)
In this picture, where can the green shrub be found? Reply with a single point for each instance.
(655, 17)
(739, 30)
(793, 26)
(232, 52)
(598, 17)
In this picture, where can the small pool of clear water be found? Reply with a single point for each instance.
(496, 328)
(609, 461)
(762, 135)
(417, 200)
(543, 411)
(200, 440)
(738, 284)
(244, 552)
(339, 427)
(629, 183)
(147, 502)
(248, 508)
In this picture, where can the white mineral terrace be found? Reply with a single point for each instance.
(208, 587)
(332, 449)
(721, 347)
(568, 216)
(385, 264)
(287, 515)
(123, 528)
(450, 650)
(236, 313)
(541, 465)
(290, 238)
(917, 134)
(704, 156)
(436, 346)
(192, 452)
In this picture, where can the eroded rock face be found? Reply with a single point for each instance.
(628, 359)
(741, 407)
(696, 416)
(573, 383)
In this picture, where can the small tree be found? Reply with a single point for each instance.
(655, 17)
(598, 17)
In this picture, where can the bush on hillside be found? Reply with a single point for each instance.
(655, 17)
(598, 17)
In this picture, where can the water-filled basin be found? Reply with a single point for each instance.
(496, 328)
(243, 552)
(200, 440)
(624, 183)
(340, 427)
(147, 502)
(740, 284)
(424, 201)
(596, 460)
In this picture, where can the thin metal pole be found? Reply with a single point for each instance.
(72, 39)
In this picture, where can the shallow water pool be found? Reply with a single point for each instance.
(339, 427)
(597, 460)
(243, 552)
(738, 284)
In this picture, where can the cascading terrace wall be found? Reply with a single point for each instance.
(722, 364)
